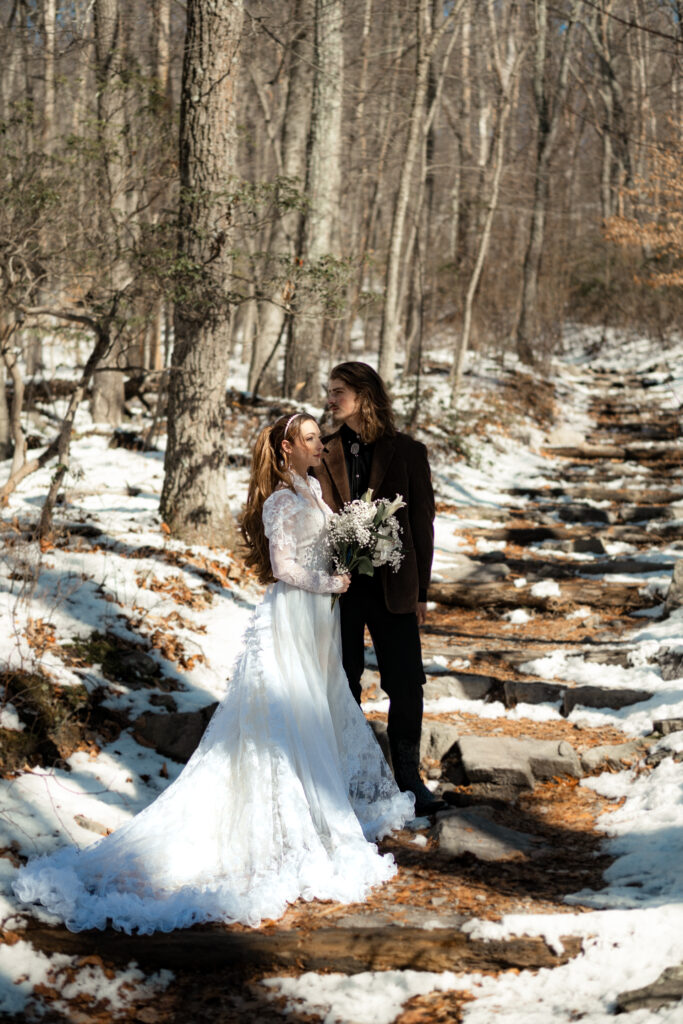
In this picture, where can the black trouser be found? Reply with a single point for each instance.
(396, 639)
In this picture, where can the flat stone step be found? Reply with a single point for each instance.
(474, 832)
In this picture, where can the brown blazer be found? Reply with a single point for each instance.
(399, 466)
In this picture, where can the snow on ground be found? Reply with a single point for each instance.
(125, 583)
(69, 978)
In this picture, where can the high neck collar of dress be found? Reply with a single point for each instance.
(300, 482)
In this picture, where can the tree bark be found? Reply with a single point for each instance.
(323, 186)
(49, 15)
(161, 15)
(506, 67)
(549, 104)
(286, 227)
(427, 42)
(106, 404)
(194, 498)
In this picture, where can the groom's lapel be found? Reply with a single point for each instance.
(381, 457)
(336, 467)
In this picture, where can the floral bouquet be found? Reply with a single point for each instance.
(365, 535)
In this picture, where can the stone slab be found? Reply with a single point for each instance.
(611, 756)
(519, 692)
(667, 989)
(437, 739)
(599, 697)
(460, 832)
(670, 663)
(548, 758)
(665, 726)
(478, 793)
(463, 685)
(510, 760)
(495, 759)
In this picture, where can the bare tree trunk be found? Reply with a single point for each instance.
(194, 497)
(427, 42)
(549, 103)
(285, 232)
(106, 404)
(9, 62)
(161, 14)
(616, 155)
(371, 211)
(49, 15)
(323, 185)
(506, 67)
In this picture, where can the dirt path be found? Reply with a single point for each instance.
(549, 565)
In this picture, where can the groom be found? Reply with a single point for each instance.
(368, 451)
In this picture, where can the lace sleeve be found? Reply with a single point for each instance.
(280, 514)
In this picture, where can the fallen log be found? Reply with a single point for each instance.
(347, 949)
(502, 594)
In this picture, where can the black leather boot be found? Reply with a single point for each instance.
(405, 757)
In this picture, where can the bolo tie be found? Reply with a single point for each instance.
(355, 450)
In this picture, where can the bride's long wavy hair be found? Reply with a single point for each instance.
(268, 472)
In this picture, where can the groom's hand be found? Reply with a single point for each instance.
(421, 613)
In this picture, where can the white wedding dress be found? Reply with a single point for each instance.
(284, 794)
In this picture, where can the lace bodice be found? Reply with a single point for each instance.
(295, 525)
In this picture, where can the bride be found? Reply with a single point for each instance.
(288, 786)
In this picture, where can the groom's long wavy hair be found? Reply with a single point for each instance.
(268, 471)
(376, 413)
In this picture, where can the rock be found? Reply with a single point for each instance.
(494, 759)
(175, 735)
(461, 567)
(599, 697)
(610, 756)
(670, 663)
(667, 725)
(588, 545)
(463, 685)
(473, 831)
(608, 657)
(643, 513)
(510, 761)
(517, 692)
(668, 988)
(382, 736)
(438, 738)
(132, 667)
(674, 597)
(548, 758)
(497, 795)
(163, 700)
(577, 513)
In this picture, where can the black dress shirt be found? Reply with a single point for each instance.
(358, 458)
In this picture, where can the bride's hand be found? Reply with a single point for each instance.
(345, 582)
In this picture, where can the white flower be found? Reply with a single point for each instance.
(395, 505)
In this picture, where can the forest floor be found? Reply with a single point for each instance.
(560, 518)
